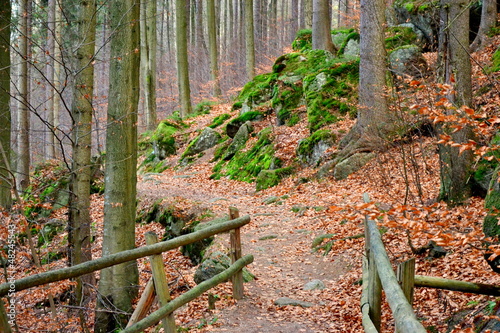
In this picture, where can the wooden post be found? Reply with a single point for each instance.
(406, 278)
(144, 304)
(374, 288)
(4, 321)
(405, 274)
(235, 240)
(160, 283)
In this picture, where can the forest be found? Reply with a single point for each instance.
(249, 166)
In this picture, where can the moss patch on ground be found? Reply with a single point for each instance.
(399, 36)
(495, 66)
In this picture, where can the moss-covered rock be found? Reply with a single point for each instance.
(269, 178)
(400, 35)
(219, 120)
(206, 140)
(408, 60)
(310, 150)
(256, 92)
(288, 97)
(347, 43)
(491, 227)
(239, 140)
(246, 165)
(163, 139)
(351, 165)
(331, 93)
(303, 40)
(234, 125)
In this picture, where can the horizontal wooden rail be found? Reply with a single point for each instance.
(188, 296)
(405, 318)
(447, 284)
(121, 257)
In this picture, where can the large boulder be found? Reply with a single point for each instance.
(351, 164)
(239, 140)
(310, 150)
(216, 263)
(408, 60)
(206, 140)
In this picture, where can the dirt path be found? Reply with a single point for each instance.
(280, 241)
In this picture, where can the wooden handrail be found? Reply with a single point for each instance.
(188, 296)
(121, 257)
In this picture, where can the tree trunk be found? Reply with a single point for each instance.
(50, 48)
(249, 40)
(118, 285)
(454, 59)
(79, 248)
(148, 60)
(212, 41)
(5, 116)
(374, 121)
(308, 12)
(294, 19)
(321, 35)
(488, 21)
(23, 116)
(181, 15)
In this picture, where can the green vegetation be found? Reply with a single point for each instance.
(306, 146)
(203, 107)
(399, 36)
(303, 40)
(219, 120)
(270, 178)
(246, 165)
(414, 6)
(352, 35)
(495, 66)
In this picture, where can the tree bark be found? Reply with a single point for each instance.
(50, 49)
(249, 40)
(118, 285)
(308, 12)
(5, 115)
(374, 121)
(148, 61)
(212, 41)
(23, 116)
(488, 21)
(321, 35)
(181, 15)
(79, 248)
(455, 167)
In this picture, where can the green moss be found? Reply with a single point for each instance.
(353, 35)
(303, 40)
(203, 107)
(255, 89)
(495, 66)
(306, 145)
(219, 120)
(246, 165)
(399, 36)
(286, 99)
(270, 178)
(335, 98)
(163, 136)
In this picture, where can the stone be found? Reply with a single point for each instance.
(408, 60)
(206, 140)
(352, 48)
(284, 301)
(314, 285)
(352, 164)
(239, 140)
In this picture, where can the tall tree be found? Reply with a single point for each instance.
(488, 21)
(321, 35)
(456, 71)
(181, 16)
(23, 115)
(374, 120)
(212, 41)
(79, 248)
(5, 116)
(118, 284)
(50, 75)
(249, 40)
(148, 60)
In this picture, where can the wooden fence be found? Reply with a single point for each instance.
(153, 249)
(378, 274)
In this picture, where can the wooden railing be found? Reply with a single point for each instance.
(378, 274)
(153, 249)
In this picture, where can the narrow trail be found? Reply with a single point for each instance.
(280, 241)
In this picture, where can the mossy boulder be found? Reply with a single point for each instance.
(310, 150)
(206, 140)
(216, 263)
(347, 43)
(256, 92)
(246, 165)
(239, 140)
(408, 60)
(351, 164)
(288, 97)
(234, 125)
(269, 178)
(163, 139)
(331, 93)
(219, 120)
(401, 35)
(303, 40)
